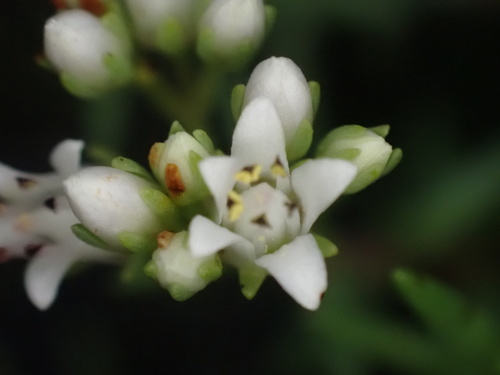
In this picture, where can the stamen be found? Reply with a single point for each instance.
(262, 221)
(277, 168)
(249, 174)
(164, 238)
(173, 180)
(234, 205)
(25, 183)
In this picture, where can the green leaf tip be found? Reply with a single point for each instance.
(176, 127)
(315, 90)
(90, 238)
(132, 167)
(328, 248)
(237, 98)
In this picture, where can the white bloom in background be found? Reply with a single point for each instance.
(35, 223)
(281, 80)
(232, 24)
(107, 201)
(150, 15)
(84, 50)
(263, 211)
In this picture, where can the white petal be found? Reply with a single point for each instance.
(318, 183)
(65, 157)
(280, 80)
(258, 137)
(44, 274)
(207, 238)
(218, 173)
(299, 267)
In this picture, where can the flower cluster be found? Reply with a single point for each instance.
(99, 45)
(35, 220)
(252, 210)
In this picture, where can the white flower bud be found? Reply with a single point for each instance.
(149, 16)
(281, 81)
(107, 201)
(181, 273)
(361, 146)
(174, 164)
(232, 25)
(88, 55)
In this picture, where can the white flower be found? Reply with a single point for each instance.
(150, 15)
(84, 51)
(107, 201)
(281, 80)
(35, 221)
(264, 211)
(233, 24)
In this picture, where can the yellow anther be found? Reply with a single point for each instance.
(249, 174)
(234, 205)
(277, 168)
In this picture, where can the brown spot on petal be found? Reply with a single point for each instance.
(164, 238)
(4, 255)
(261, 221)
(292, 206)
(31, 250)
(50, 204)
(25, 183)
(173, 180)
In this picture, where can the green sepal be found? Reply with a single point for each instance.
(113, 21)
(382, 130)
(79, 89)
(90, 238)
(133, 274)
(130, 166)
(365, 178)
(394, 160)
(176, 128)
(119, 68)
(342, 132)
(251, 278)
(315, 90)
(301, 141)
(205, 140)
(237, 99)
(270, 16)
(328, 248)
(151, 270)
(201, 189)
(164, 208)
(171, 38)
(211, 270)
(179, 293)
(137, 242)
(461, 327)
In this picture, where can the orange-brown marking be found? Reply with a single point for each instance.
(164, 238)
(154, 154)
(173, 180)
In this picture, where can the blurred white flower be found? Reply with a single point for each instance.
(232, 26)
(35, 223)
(89, 56)
(149, 16)
(263, 211)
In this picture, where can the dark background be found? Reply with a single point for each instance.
(430, 69)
